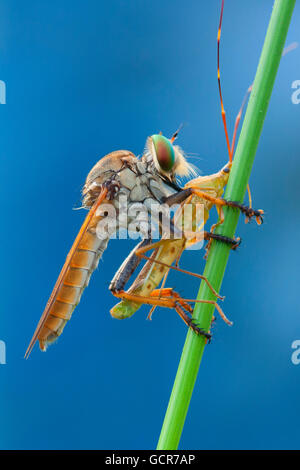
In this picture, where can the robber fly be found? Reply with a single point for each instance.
(152, 179)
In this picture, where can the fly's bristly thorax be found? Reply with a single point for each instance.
(104, 170)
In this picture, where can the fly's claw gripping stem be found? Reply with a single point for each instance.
(258, 216)
(233, 242)
(198, 330)
(180, 307)
(247, 211)
(237, 244)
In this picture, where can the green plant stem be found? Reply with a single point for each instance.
(235, 191)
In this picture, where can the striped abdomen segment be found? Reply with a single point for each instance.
(83, 262)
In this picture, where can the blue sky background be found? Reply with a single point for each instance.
(87, 77)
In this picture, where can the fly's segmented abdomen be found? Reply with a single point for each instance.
(84, 261)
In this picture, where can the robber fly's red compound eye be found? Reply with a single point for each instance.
(164, 152)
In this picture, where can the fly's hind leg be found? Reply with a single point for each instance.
(167, 297)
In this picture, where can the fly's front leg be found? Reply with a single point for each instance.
(249, 212)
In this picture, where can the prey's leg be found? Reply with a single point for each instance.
(143, 249)
(171, 300)
(169, 292)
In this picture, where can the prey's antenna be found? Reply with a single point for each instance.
(219, 83)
